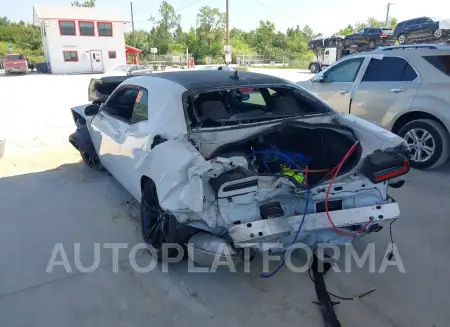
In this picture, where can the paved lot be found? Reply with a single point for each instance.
(47, 196)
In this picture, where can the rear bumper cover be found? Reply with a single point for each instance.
(261, 231)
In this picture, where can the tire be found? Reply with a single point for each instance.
(402, 38)
(372, 44)
(314, 68)
(436, 138)
(159, 227)
(91, 161)
(437, 34)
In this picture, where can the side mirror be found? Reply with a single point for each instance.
(92, 110)
(319, 78)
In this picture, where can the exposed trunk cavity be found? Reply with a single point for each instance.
(319, 147)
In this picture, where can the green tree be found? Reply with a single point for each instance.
(210, 32)
(87, 3)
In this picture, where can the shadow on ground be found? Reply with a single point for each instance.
(73, 204)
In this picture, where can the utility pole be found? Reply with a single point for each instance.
(132, 24)
(387, 13)
(228, 23)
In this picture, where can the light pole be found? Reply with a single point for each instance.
(387, 13)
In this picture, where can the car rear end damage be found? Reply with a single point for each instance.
(231, 192)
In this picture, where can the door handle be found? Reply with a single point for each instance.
(343, 91)
(398, 90)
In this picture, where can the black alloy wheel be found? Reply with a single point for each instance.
(158, 227)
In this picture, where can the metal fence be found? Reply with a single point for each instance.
(261, 60)
(168, 60)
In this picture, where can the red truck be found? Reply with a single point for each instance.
(15, 63)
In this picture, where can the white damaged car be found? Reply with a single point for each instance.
(238, 159)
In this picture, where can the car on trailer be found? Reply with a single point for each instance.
(422, 29)
(238, 160)
(323, 42)
(401, 88)
(370, 37)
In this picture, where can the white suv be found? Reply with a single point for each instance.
(405, 89)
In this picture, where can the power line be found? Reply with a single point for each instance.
(191, 4)
(176, 10)
(279, 12)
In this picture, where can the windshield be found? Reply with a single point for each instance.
(121, 69)
(240, 106)
(14, 57)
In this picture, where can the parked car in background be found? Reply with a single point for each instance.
(128, 70)
(370, 37)
(422, 29)
(15, 63)
(322, 42)
(239, 160)
(404, 89)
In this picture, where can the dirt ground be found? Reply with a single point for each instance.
(47, 196)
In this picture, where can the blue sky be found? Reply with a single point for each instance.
(326, 16)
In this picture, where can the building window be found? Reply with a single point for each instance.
(104, 29)
(112, 54)
(67, 28)
(86, 28)
(70, 55)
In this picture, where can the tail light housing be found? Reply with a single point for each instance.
(383, 35)
(382, 166)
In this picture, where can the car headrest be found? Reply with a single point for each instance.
(214, 110)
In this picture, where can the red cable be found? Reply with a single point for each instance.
(336, 172)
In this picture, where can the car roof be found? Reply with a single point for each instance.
(201, 79)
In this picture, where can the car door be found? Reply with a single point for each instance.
(135, 143)
(415, 28)
(359, 37)
(335, 84)
(388, 87)
(107, 126)
(429, 26)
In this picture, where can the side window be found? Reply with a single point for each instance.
(389, 69)
(441, 63)
(121, 105)
(346, 71)
(421, 20)
(254, 97)
(140, 110)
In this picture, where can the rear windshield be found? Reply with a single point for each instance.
(14, 57)
(440, 62)
(387, 30)
(251, 104)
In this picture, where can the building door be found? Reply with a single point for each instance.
(96, 61)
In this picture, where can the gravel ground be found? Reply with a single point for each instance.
(47, 196)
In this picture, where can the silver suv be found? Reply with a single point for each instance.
(405, 89)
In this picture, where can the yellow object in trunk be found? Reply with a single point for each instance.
(299, 177)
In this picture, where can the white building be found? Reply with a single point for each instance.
(81, 40)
